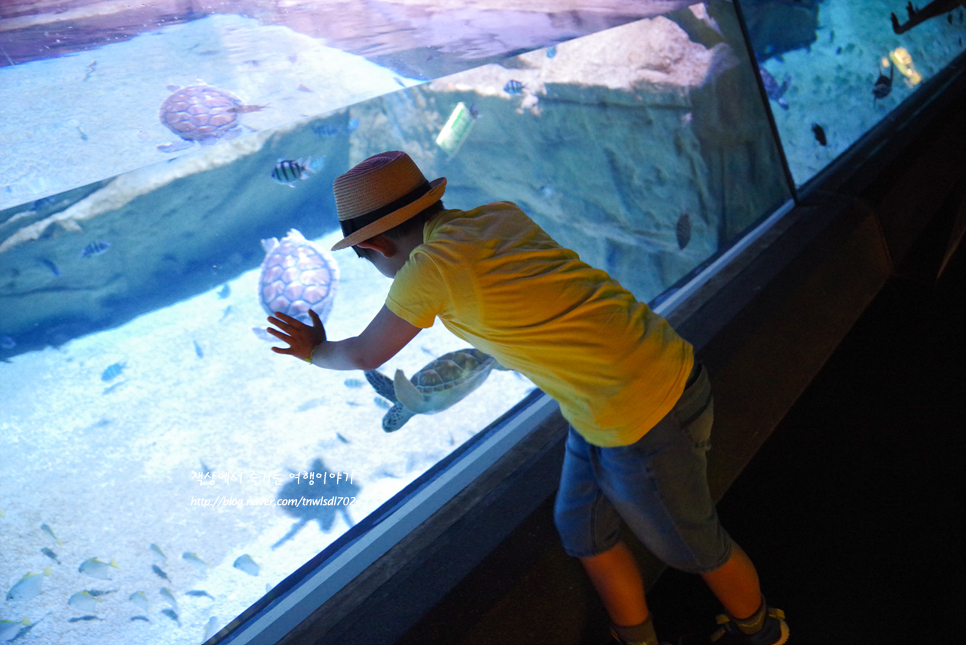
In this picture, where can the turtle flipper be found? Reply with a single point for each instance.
(409, 395)
(381, 384)
(396, 418)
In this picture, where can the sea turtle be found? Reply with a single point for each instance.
(439, 385)
(297, 275)
(773, 89)
(202, 113)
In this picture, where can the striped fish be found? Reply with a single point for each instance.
(98, 247)
(287, 171)
(513, 87)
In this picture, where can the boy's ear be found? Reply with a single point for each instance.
(380, 243)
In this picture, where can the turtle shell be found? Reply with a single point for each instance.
(451, 370)
(297, 275)
(201, 113)
(444, 381)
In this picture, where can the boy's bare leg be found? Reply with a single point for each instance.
(618, 582)
(735, 584)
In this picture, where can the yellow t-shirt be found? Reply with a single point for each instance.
(498, 281)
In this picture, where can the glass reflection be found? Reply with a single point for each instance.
(834, 69)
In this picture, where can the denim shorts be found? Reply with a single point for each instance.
(658, 486)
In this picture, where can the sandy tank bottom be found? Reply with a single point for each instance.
(104, 440)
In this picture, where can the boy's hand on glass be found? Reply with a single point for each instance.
(301, 338)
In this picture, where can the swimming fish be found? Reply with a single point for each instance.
(883, 85)
(551, 51)
(50, 554)
(54, 269)
(198, 593)
(100, 592)
(224, 292)
(167, 595)
(198, 352)
(287, 172)
(29, 586)
(159, 572)
(382, 403)
(157, 551)
(819, 132)
(46, 529)
(246, 564)
(6, 342)
(195, 560)
(144, 618)
(173, 616)
(84, 601)
(139, 599)
(112, 371)
(352, 382)
(108, 390)
(211, 627)
(97, 569)
(9, 629)
(80, 618)
(683, 230)
(513, 87)
(98, 247)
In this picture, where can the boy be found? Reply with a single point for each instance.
(638, 404)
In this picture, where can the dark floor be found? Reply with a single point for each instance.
(853, 510)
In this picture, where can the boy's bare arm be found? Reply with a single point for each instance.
(380, 341)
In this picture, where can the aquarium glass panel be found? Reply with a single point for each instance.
(834, 69)
(163, 469)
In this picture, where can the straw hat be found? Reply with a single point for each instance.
(381, 192)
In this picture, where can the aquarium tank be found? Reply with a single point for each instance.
(166, 180)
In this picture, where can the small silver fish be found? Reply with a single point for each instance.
(246, 564)
(112, 371)
(46, 529)
(195, 560)
(30, 586)
(167, 595)
(513, 87)
(139, 599)
(287, 171)
(157, 551)
(97, 569)
(98, 247)
(10, 629)
(198, 593)
(84, 601)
